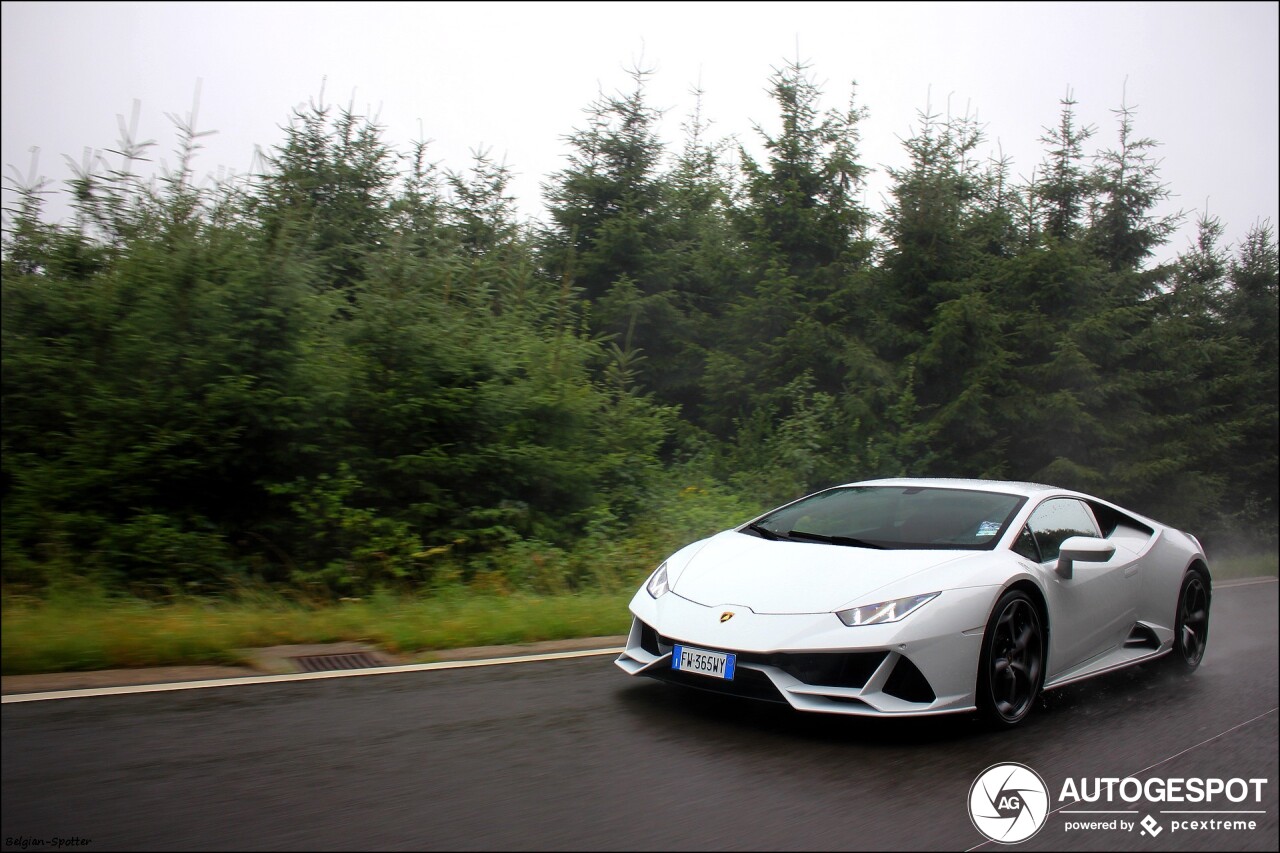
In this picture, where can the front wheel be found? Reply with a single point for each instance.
(1191, 624)
(1011, 667)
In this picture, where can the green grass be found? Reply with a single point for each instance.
(87, 629)
(1252, 566)
(96, 632)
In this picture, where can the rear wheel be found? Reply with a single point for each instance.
(1011, 667)
(1191, 624)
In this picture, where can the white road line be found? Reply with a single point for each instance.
(1223, 733)
(88, 692)
(1244, 582)
(1177, 754)
(296, 676)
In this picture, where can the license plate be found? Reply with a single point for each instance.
(703, 662)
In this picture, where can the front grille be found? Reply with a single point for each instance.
(747, 683)
(817, 669)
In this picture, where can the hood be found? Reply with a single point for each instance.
(795, 577)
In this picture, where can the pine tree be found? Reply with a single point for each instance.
(951, 229)
(482, 212)
(1251, 312)
(805, 214)
(925, 224)
(805, 233)
(701, 258)
(1064, 190)
(604, 206)
(1124, 229)
(1184, 367)
(327, 193)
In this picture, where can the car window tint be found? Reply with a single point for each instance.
(1026, 545)
(1059, 519)
(900, 516)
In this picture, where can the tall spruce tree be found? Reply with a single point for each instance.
(804, 214)
(924, 226)
(805, 233)
(1064, 191)
(792, 338)
(1125, 229)
(610, 230)
(1184, 366)
(950, 228)
(603, 206)
(700, 259)
(1251, 312)
(326, 193)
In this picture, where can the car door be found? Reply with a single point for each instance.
(1093, 610)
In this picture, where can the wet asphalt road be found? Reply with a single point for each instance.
(575, 755)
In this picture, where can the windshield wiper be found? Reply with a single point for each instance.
(766, 533)
(835, 540)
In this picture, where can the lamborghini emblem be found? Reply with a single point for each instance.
(726, 616)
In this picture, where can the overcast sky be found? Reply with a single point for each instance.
(514, 78)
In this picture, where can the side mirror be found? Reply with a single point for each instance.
(1084, 549)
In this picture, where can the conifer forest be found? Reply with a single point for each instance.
(355, 370)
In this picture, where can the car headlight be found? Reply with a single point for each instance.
(657, 585)
(885, 611)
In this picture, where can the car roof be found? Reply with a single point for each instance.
(1004, 486)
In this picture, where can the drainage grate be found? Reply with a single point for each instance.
(347, 660)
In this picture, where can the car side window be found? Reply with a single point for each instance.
(1026, 545)
(1057, 520)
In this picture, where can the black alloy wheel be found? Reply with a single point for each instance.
(1011, 670)
(1191, 627)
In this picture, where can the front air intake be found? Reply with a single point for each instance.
(822, 669)
(908, 683)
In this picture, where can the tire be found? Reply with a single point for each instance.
(1011, 666)
(1191, 623)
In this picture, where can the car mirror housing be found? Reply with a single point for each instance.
(1083, 549)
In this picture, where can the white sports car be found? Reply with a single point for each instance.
(922, 596)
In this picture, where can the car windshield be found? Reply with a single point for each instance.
(897, 517)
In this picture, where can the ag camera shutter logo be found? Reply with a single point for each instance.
(1008, 803)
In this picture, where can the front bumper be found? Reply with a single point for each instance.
(814, 662)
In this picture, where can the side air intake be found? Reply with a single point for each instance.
(1142, 637)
